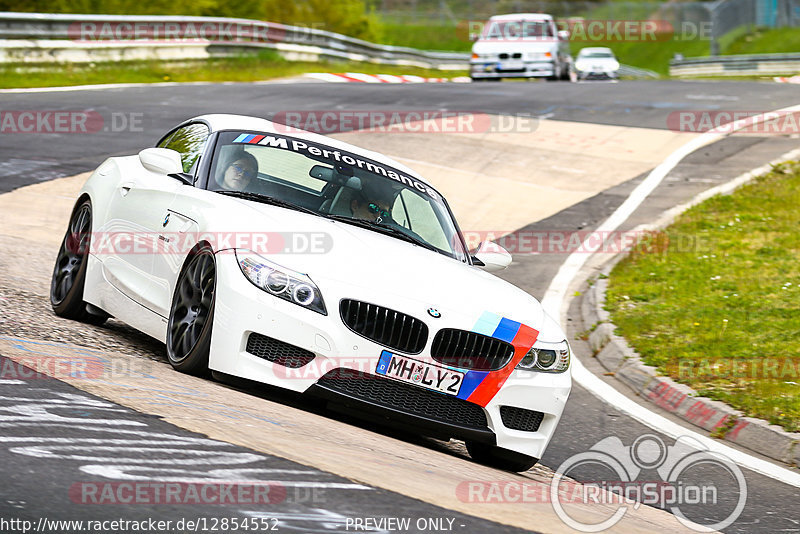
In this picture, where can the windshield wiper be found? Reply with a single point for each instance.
(389, 230)
(258, 197)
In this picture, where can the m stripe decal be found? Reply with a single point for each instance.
(480, 387)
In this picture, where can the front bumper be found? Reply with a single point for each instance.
(525, 69)
(597, 75)
(241, 309)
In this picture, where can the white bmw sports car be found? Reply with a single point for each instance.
(300, 261)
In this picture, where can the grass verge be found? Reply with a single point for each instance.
(264, 66)
(713, 301)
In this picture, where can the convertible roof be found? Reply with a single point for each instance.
(220, 121)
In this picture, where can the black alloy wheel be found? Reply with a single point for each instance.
(192, 313)
(69, 272)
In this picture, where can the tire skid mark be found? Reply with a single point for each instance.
(102, 438)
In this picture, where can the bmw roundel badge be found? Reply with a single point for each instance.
(166, 220)
(433, 312)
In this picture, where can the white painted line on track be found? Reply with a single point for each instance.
(657, 422)
(554, 302)
(108, 86)
(98, 87)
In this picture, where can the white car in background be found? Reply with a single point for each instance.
(596, 63)
(194, 242)
(521, 45)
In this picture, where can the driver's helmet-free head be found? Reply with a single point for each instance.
(376, 196)
(235, 154)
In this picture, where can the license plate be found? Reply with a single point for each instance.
(420, 373)
(510, 65)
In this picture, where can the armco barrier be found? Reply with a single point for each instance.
(43, 37)
(751, 65)
(32, 38)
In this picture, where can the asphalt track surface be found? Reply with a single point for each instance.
(29, 158)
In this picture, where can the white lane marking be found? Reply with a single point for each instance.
(106, 86)
(554, 302)
(98, 87)
(554, 298)
(713, 97)
(10, 382)
(674, 430)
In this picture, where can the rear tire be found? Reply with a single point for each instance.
(69, 272)
(191, 314)
(499, 458)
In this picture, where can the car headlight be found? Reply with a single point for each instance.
(281, 282)
(546, 357)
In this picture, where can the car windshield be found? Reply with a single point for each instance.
(596, 54)
(336, 184)
(517, 29)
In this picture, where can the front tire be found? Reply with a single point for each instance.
(191, 314)
(499, 458)
(69, 272)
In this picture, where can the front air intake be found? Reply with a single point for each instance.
(520, 418)
(277, 351)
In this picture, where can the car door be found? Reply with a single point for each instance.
(138, 212)
(172, 226)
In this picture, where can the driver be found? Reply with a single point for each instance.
(238, 174)
(372, 205)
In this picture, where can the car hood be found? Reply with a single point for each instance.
(520, 45)
(354, 262)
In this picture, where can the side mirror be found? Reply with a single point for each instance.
(184, 177)
(492, 257)
(161, 160)
(563, 35)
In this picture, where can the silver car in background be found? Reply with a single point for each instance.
(521, 45)
(596, 63)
